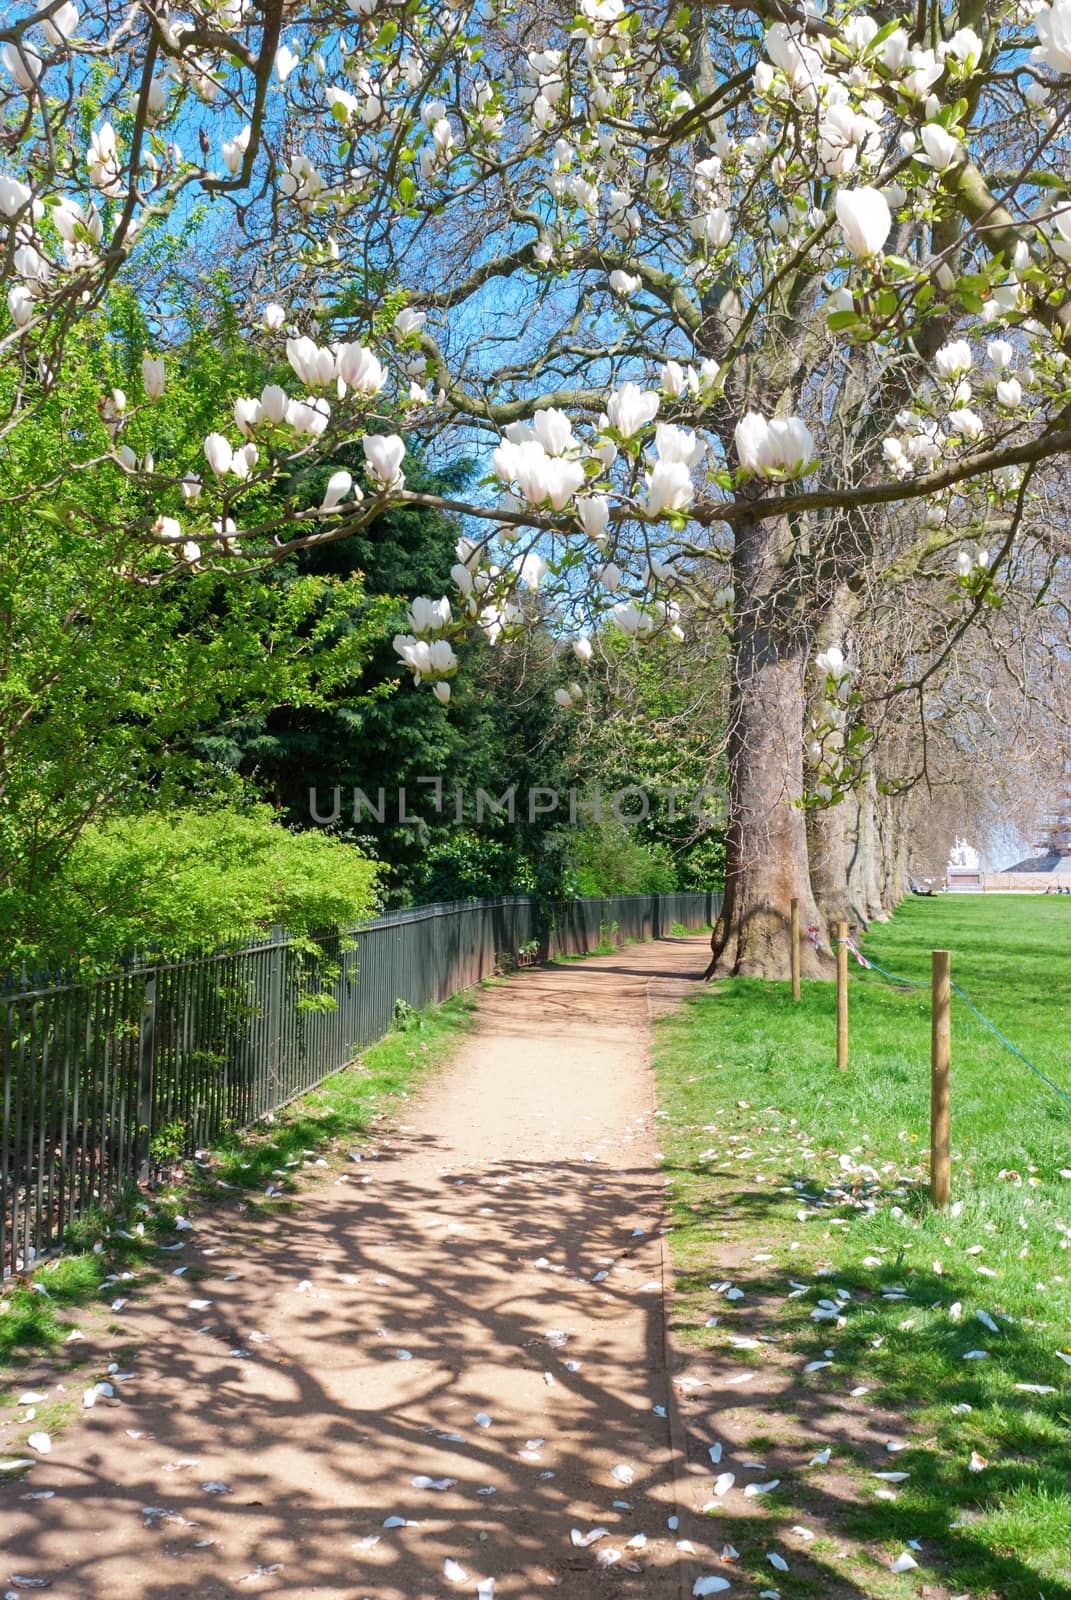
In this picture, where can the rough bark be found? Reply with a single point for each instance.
(766, 847)
(849, 873)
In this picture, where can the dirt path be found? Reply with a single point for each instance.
(497, 1260)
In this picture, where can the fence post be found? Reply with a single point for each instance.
(794, 936)
(842, 995)
(146, 1058)
(940, 1069)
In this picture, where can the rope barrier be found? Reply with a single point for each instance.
(984, 1020)
(913, 983)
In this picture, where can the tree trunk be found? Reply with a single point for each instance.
(766, 848)
(847, 858)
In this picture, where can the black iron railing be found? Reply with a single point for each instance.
(100, 1078)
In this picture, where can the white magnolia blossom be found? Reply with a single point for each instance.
(339, 486)
(429, 616)
(1010, 393)
(865, 220)
(383, 453)
(218, 454)
(953, 359)
(1053, 24)
(831, 663)
(941, 147)
(630, 408)
(782, 445)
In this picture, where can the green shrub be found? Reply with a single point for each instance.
(184, 881)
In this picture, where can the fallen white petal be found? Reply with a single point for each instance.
(452, 1571)
(710, 1585)
(905, 1562)
(40, 1442)
(778, 1563)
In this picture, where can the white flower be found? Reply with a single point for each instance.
(678, 444)
(669, 488)
(1001, 353)
(966, 422)
(60, 26)
(712, 228)
(865, 220)
(234, 151)
(359, 368)
(831, 663)
(965, 46)
(409, 321)
(1053, 24)
(441, 691)
(792, 443)
(22, 62)
(941, 146)
(462, 577)
(630, 619)
(191, 488)
(20, 304)
(953, 359)
(624, 283)
(384, 452)
(428, 616)
(13, 195)
(103, 160)
(554, 431)
(247, 414)
(285, 62)
(313, 365)
(631, 408)
(1010, 392)
(273, 403)
(594, 513)
(763, 447)
(964, 564)
(752, 438)
(273, 317)
(152, 376)
(338, 487)
(610, 576)
(582, 649)
(531, 570)
(563, 698)
(673, 378)
(924, 69)
(892, 450)
(218, 453)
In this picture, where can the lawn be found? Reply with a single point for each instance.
(798, 1184)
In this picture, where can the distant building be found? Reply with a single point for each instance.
(1049, 869)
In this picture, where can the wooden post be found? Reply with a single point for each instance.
(794, 935)
(940, 1065)
(842, 995)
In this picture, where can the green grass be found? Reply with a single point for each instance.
(327, 1122)
(759, 1126)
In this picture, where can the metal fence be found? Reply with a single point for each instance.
(101, 1077)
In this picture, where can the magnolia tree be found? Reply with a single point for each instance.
(746, 307)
